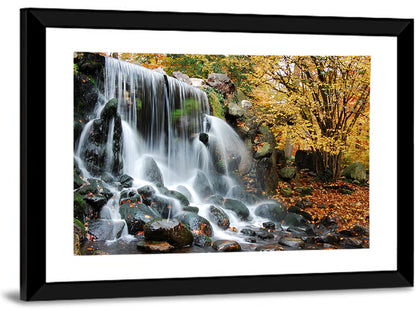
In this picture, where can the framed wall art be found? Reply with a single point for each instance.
(186, 153)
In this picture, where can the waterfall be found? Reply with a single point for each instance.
(146, 118)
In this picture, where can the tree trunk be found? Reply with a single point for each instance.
(328, 166)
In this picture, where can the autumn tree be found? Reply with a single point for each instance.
(323, 98)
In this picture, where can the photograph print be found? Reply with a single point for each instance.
(194, 153)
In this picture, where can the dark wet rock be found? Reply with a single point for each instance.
(191, 209)
(202, 185)
(215, 199)
(238, 207)
(351, 243)
(306, 215)
(219, 217)
(168, 230)
(107, 178)
(269, 225)
(197, 224)
(287, 173)
(95, 187)
(294, 220)
(321, 206)
(203, 137)
(126, 181)
(165, 206)
(248, 232)
(151, 171)
(226, 246)
(202, 240)
(347, 232)
(251, 198)
(110, 110)
(154, 246)
(147, 193)
(137, 216)
(95, 201)
(292, 242)
(184, 191)
(328, 246)
(250, 239)
(304, 203)
(129, 196)
(78, 182)
(274, 211)
(294, 209)
(329, 238)
(79, 206)
(265, 235)
(286, 192)
(355, 171)
(269, 248)
(329, 222)
(221, 82)
(105, 229)
(360, 230)
(178, 196)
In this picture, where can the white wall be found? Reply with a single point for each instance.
(9, 173)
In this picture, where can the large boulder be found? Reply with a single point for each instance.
(105, 229)
(287, 173)
(137, 215)
(151, 171)
(181, 77)
(168, 230)
(238, 207)
(355, 171)
(226, 246)
(219, 217)
(233, 111)
(197, 224)
(274, 211)
(221, 82)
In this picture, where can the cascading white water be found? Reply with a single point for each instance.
(162, 118)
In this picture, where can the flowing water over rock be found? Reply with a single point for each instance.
(152, 156)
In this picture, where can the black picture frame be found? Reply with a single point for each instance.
(34, 23)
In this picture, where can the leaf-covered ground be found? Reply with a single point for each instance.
(327, 200)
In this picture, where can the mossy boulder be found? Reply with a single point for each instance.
(178, 196)
(79, 206)
(287, 173)
(286, 192)
(274, 211)
(197, 224)
(355, 171)
(238, 207)
(126, 181)
(137, 216)
(110, 110)
(219, 217)
(168, 230)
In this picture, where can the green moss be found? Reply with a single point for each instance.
(189, 105)
(79, 205)
(216, 100)
(80, 224)
(138, 104)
